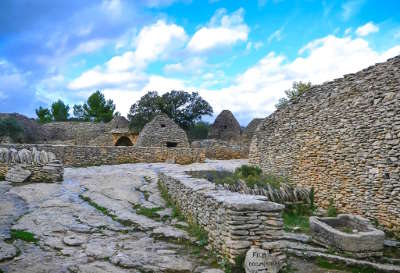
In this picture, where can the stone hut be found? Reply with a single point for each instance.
(342, 138)
(162, 132)
(225, 127)
(249, 131)
(124, 137)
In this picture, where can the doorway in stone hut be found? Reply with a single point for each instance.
(124, 141)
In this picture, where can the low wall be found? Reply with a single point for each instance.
(234, 221)
(79, 156)
(42, 165)
(222, 150)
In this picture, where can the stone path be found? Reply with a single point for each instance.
(90, 223)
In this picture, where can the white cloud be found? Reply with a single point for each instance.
(276, 35)
(193, 65)
(223, 30)
(153, 42)
(366, 29)
(347, 31)
(257, 90)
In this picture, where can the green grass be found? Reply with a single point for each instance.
(252, 176)
(23, 235)
(148, 212)
(297, 216)
(105, 211)
(324, 263)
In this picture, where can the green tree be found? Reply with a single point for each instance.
(59, 111)
(97, 108)
(183, 107)
(298, 88)
(11, 128)
(79, 113)
(44, 115)
(198, 131)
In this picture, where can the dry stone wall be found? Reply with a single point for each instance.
(220, 149)
(29, 165)
(343, 139)
(77, 156)
(234, 221)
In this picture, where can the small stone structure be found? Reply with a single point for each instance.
(123, 137)
(162, 132)
(248, 133)
(82, 156)
(350, 233)
(225, 127)
(343, 139)
(29, 166)
(234, 221)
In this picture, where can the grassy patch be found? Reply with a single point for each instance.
(324, 263)
(331, 211)
(148, 212)
(106, 212)
(236, 267)
(252, 176)
(23, 235)
(296, 218)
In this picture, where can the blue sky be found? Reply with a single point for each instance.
(239, 55)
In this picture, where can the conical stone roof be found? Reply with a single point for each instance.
(225, 127)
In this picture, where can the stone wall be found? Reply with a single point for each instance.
(72, 155)
(29, 165)
(234, 221)
(81, 133)
(222, 150)
(342, 138)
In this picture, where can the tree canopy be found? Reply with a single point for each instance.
(59, 111)
(11, 128)
(97, 108)
(298, 88)
(44, 115)
(182, 107)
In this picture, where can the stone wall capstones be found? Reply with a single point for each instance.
(343, 139)
(29, 165)
(82, 156)
(234, 221)
(225, 127)
(162, 132)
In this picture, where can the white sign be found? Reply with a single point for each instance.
(261, 261)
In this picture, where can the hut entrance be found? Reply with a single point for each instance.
(172, 144)
(124, 141)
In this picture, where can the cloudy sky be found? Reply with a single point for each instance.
(239, 55)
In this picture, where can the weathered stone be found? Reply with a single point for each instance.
(162, 132)
(18, 174)
(225, 127)
(341, 138)
(74, 240)
(262, 261)
(7, 251)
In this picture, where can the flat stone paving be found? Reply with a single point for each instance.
(76, 235)
(89, 223)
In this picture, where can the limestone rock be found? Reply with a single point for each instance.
(7, 251)
(17, 174)
(74, 240)
(262, 261)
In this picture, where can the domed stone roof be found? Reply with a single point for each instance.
(225, 127)
(162, 132)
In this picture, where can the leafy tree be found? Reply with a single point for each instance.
(97, 108)
(59, 111)
(78, 111)
(198, 131)
(183, 107)
(298, 88)
(44, 115)
(11, 128)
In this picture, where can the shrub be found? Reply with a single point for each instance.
(246, 171)
(332, 211)
(11, 128)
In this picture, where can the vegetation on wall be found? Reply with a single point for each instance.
(184, 108)
(9, 127)
(298, 88)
